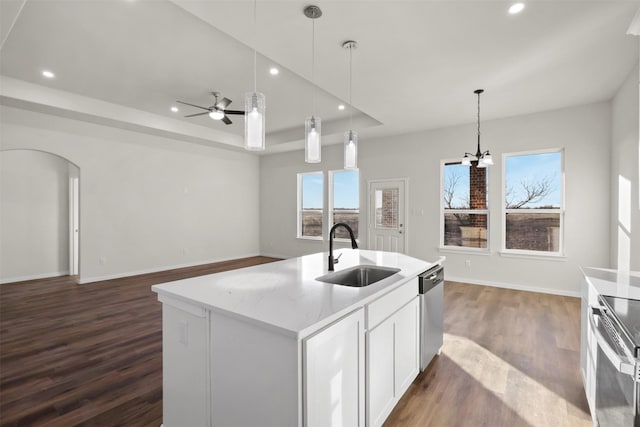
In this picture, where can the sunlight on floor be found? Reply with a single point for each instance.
(531, 400)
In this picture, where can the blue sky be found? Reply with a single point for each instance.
(534, 168)
(526, 168)
(345, 190)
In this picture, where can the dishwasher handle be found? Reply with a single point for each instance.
(430, 279)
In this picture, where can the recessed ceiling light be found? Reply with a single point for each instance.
(516, 8)
(274, 71)
(341, 107)
(48, 74)
(174, 109)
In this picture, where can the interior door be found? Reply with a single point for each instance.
(387, 225)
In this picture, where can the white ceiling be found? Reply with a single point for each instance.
(126, 62)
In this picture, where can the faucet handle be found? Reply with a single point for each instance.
(335, 261)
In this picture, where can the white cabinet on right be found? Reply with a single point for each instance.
(588, 344)
(392, 351)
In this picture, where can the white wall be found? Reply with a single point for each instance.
(625, 203)
(34, 215)
(583, 131)
(147, 203)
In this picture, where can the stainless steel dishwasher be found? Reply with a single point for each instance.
(431, 290)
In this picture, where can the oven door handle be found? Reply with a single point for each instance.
(621, 364)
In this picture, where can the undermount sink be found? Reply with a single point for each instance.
(358, 276)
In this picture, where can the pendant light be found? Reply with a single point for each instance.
(254, 105)
(350, 136)
(482, 158)
(312, 125)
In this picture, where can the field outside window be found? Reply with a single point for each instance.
(533, 202)
(310, 204)
(345, 201)
(464, 206)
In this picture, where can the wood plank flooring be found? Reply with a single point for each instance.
(87, 355)
(510, 358)
(91, 355)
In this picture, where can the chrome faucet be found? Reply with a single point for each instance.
(354, 245)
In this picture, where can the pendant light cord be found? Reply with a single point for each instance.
(478, 114)
(255, 40)
(478, 154)
(350, 86)
(313, 67)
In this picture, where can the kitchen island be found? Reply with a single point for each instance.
(270, 345)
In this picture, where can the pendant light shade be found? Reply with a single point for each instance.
(351, 149)
(254, 105)
(312, 125)
(254, 115)
(481, 159)
(312, 132)
(350, 136)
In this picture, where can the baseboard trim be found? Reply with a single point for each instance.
(94, 279)
(516, 287)
(34, 277)
(276, 255)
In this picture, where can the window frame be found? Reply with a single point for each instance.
(561, 210)
(299, 235)
(330, 223)
(487, 212)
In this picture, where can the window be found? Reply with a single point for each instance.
(345, 201)
(310, 203)
(533, 202)
(464, 221)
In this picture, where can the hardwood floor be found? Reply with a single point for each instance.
(91, 355)
(88, 355)
(510, 358)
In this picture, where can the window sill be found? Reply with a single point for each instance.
(533, 255)
(316, 238)
(463, 250)
(341, 240)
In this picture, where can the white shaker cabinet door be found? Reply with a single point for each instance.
(380, 375)
(406, 346)
(334, 374)
(393, 361)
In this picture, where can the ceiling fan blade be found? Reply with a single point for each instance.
(197, 114)
(233, 112)
(224, 103)
(193, 105)
(226, 120)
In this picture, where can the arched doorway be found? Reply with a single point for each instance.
(40, 215)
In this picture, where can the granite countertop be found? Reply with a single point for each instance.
(614, 283)
(285, 296)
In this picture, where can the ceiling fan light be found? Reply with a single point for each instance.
(216, 114)
(312, 133)
(254, 118)
(351, 149)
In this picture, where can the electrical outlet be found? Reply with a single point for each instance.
(467, 263)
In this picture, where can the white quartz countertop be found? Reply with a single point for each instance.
(614, 283)
(285, 296)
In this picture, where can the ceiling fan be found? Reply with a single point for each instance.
(218, 111)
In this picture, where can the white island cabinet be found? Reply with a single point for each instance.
(393, 359)
(271, 346)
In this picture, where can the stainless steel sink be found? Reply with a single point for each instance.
(358, 276)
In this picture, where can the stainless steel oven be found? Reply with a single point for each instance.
(616, 326)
